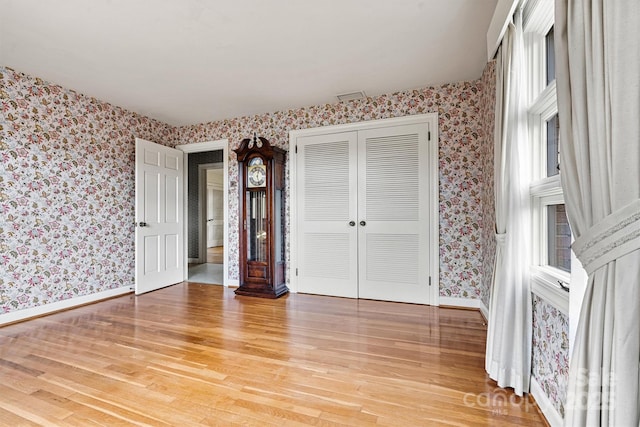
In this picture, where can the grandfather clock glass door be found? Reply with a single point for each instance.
(257, 226)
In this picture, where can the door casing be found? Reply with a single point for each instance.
(221, 144)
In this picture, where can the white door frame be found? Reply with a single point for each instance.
(221, 144)
(434, 216)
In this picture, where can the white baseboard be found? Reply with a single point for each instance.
(233, 283)
(15, 316)
(215, 243)
(466, 303)
(193, 260)
(546, 406)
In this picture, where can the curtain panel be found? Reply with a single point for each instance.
(508, 352)
(598, 82)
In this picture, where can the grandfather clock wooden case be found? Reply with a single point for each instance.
(261, 185)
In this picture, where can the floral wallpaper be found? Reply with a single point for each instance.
(67, 182)
(550, 360)
(66, 192)
(461, 178)
(487, 113)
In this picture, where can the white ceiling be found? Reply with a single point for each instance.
(194, 61)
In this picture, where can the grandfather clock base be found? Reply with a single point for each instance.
(262, 292)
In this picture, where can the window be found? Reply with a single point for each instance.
(551, 232)
(553, 146)
(550, 57)
(555, 267)
(558, 238)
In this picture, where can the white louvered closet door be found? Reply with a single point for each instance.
(327, 203)
(393, 213)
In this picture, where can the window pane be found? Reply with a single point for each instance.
(553, 155)
(558, 238)
(551, 59)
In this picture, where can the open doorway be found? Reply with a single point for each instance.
(206, 153)
(205, 212)
(209, 267)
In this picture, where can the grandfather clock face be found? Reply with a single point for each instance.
(256, 173)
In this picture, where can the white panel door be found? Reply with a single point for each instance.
(393, 214)
(159, 223)
(327, 213)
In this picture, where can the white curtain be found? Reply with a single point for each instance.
(598, 83)
(508, 355)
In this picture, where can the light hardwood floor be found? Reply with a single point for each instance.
(195, 354)
(215, 255)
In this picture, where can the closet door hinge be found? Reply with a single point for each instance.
(429, 135)
(429, 280)
(296, 149)
(296, 271)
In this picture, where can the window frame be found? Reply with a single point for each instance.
(543, 109)
(547, 281)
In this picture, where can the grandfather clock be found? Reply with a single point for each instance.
(261, 183)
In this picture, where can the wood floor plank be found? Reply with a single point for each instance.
(23, 405)
(195, 354)
(10, 418)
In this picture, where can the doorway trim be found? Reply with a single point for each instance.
(221, 144)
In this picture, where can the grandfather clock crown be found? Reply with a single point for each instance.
(257, 144)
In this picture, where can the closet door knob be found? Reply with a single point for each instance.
(363, 223)
(352, 223)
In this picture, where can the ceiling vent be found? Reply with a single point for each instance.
(351, 96)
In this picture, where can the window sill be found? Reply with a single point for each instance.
(545, 187)
(544, 283)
